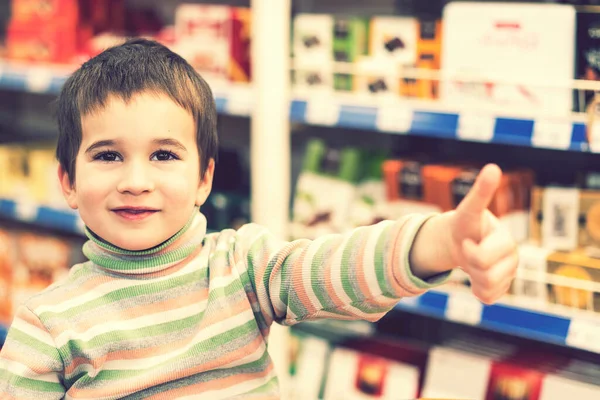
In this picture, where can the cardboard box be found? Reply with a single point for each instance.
(49, 42)
(13, 173)
(499, 34)
(369, 205)
(576, 266)
(455, 374)
(313, 38)
(589, 221)
(39, 12)
(215, 40)
(536, 215)
(511, 381)
(325, 190)
(349, 43)
(375, 76)
(353, 375)
(7, 256)
(588, 53)
(429, 52)
(530, 282)
(41, 260)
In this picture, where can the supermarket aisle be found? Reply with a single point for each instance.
(395, 106)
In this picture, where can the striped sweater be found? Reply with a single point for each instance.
(191, 318)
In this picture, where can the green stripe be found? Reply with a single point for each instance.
(202, 347)
(349, 264)
(127, 293)
(36, 345)
(131, 263)
(30, 384)
(149, 331)
(120, 335)
(380, 256)
(317, 274)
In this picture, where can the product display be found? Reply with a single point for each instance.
(506, 46)
(325, 190)
(28, 174)
(588, 52)
(215, 40)
(353, 375)
(30, 262)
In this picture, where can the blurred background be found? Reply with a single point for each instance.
(335, 114)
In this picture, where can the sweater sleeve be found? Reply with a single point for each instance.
(358, 275)
(30, 364)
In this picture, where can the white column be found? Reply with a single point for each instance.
(270, 137)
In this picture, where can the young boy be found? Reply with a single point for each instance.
(163, 310)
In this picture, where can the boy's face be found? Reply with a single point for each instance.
(137, 173)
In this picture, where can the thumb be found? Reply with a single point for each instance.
(481, 194)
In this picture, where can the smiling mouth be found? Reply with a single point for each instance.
(134, 214)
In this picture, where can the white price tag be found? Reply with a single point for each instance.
(476, 126)
(464, 308)
(39, 80)
(322, 109)
(394, 117)
(552, 134)
(584, 334)
(594, 137)
(26, 211)
(239, 100)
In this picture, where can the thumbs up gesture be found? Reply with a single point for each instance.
(482, 247)
(472, 239)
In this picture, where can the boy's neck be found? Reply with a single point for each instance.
(162, 256)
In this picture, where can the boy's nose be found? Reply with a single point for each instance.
(136, 179)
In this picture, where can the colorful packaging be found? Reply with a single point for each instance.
(394, 39)
(353, 375)
(530, 283)
(325, 190)
(588, 53)
(49, 42)
(6, 276)
(313, 39)
(39, 12)
(498, 35)
(13, 173)
(369, 205)
(589, 221)
(576, 266)
(41, 260)
(215, 40)
(429, 51)
(349, 43)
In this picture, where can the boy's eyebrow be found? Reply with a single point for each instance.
(170, 142)
(100, 143)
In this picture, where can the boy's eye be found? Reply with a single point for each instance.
(108, 156)
(163, 155)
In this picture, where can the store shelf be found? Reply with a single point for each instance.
(54, 218)
(432, 119)
(575, 329)
(230, 98)
(3, 333)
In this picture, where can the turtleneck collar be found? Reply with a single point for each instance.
(163, 256)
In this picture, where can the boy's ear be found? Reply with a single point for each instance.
(205, 185)
(67, 189)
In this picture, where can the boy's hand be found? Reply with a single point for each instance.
(479, 244)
